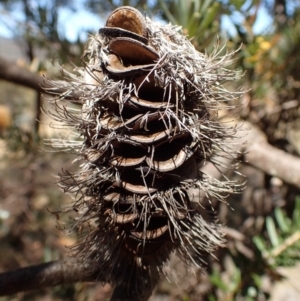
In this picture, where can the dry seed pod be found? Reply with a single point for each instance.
(116, 67)
(132, 51)
(115, 32)
(128, 18)
(147, 127)
(150, 105)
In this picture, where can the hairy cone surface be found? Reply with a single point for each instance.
(146, 126)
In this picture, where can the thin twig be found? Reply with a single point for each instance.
(271, 160)
(252, 143)
(11, 72)
(285, 244)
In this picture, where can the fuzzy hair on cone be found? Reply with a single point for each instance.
(145, 124)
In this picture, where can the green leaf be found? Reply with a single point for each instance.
(257, 279)
(259, 243)
(283, 222)
(272, 231)
(216, 280)
(210, 16)
(169, 15)
(211, 298)
(296, 213)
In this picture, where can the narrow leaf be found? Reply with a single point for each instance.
(282, 220)
(272, 231)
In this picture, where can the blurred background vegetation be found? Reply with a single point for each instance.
(262, 261)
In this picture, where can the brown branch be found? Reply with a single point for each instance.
(253, 143)
(44, 275)
(11, 72)
(269, 159)
(66, 272)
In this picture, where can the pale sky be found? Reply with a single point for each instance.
(74, 24)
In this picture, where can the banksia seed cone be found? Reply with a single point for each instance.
(147, 125)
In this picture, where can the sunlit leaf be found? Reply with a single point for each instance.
(272, 231)
(282, 220)
(259, 243)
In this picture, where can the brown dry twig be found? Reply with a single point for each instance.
(54, 273)
(263, 156)
(42, 276)
(11, 72)
(269, 159)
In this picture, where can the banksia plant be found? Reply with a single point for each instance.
(145, 127)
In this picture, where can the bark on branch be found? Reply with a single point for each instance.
(263, 156)
(11, 72)
(64, 272)
(42, 276)
(271, 160)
